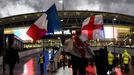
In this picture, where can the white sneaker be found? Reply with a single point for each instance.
(108, 72)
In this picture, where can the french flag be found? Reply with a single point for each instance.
(47, 23)
(92, 28)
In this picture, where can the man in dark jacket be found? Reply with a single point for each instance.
(101, 61)
(11, 58)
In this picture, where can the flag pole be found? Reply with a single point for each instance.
(63, 39)
(113, 34)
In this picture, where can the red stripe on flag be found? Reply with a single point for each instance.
(90, 27)
(98, 26)
(36, 33)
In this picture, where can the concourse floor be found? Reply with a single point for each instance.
(29, 66)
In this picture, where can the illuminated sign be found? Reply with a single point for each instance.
(58, 32)
(67, 32)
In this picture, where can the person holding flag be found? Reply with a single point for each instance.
(77, 46)
(79, 55)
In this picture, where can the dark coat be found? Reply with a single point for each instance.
(101, 61)
(11, 56)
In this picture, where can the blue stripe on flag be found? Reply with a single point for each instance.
(53, 19)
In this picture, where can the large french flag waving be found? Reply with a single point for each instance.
(92, 28)
(47, 23)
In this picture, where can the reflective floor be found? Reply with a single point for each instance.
(29, 66)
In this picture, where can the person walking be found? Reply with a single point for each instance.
(91, 68)
(61, 60)
(11, 57)
(117, 59)
(101, 61)
(110, 61)
(41, 62)
(69, 61)
(80, 53)
(4, 63)
(126, 60)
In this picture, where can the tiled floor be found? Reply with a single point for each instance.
(29, 66)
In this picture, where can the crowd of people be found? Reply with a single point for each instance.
(80, 58)
(103, 61)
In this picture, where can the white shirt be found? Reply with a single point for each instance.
(69, 47)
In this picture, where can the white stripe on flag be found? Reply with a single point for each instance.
(98, 19)
(42, 22)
